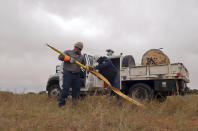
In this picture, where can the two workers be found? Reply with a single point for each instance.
(71, 72)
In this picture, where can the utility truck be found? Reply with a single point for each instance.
(141, 83)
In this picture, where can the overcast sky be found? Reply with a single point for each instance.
(127, 26)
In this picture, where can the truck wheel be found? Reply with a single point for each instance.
(128, 61)
(182, 87)
(141, 92)
(54, 91)
(160, 98)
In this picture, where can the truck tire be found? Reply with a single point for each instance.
(160, 97)
(128, 61)
(141, 92)
(54, 91)
(182, 87)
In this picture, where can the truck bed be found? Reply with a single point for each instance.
(171, 71)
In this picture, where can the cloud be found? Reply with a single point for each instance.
(128, 26)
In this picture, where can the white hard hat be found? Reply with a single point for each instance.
(96, 57)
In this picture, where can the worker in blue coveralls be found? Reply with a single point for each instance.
(109, 71)
(71, 74)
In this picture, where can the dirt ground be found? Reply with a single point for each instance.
(38, 112)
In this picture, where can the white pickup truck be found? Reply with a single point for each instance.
(138, 82)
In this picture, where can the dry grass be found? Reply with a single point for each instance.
(38, 112)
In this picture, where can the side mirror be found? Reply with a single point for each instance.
(58, 68)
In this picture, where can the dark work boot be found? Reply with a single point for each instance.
(61, 104)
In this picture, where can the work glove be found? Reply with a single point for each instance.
(69, 59)
(72, 60)
(90, 68)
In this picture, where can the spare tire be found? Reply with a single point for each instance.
(128, 61)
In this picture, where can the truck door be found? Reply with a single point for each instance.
(88, 76)
(92, 82)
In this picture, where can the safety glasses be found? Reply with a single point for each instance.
(78, 48)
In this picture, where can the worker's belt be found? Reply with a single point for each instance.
(74, 73)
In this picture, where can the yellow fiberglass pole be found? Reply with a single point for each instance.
(102, 78)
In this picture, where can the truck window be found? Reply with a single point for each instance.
(58, 68)
(90, 60)
(85, 59)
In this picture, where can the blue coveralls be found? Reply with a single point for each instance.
(109, 71)
(71, 77)
(70, 80)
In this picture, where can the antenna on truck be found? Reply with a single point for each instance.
(109, 52)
